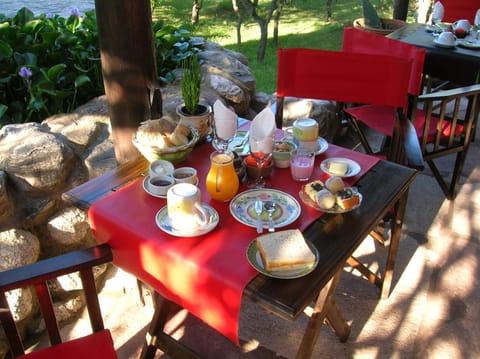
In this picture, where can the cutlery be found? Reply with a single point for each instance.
(258, 210)
(270, 208)
(244, 141)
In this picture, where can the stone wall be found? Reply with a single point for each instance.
(39, 162)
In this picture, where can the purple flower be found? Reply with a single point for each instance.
(25, 72)
(75, 12)
(49, 15)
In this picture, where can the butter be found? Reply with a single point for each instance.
(338, 168)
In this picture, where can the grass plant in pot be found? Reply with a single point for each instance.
(373, 23)
(192, 111)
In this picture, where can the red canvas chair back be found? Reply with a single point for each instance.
(338, 76)
(460, 9)
(360, 41)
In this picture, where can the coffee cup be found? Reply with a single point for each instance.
(160, 167)
(185, 175)
(185, 210)
(462, 24)
(446, 38)
(159, 184)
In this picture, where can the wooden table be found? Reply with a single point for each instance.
(459, 65)
(336, 237)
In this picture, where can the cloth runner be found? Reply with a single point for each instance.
(207, 274)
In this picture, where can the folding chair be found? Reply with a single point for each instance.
(440, 132)
(338, 76)
(99, 344)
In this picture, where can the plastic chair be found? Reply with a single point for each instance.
(440, 132)
(338, 76)
(459, 9)
(99, 344)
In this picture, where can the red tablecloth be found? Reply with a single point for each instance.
(205, 274)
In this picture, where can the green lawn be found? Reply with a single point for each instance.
(303, 24)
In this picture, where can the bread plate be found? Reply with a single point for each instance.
(162, 221)
(445, 46)
(469, 44)
(242, 207)
(238, 144)
(255, 260)
(353, 167)
(335, 209)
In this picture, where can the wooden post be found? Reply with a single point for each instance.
(129, 69)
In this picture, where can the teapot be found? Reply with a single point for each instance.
(222, 181)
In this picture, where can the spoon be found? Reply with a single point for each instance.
(258, 210)
(270, 208)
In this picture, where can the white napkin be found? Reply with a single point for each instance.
(225, 120)
(438, 12)
(263, 127)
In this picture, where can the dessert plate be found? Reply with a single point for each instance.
(353, 167)
(335, 209)
(287, 208)
(162, 221)
(322, 145)
(255, 261)
(446, 46)
(470, 44)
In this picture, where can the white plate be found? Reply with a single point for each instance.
(238, 144)
(287, 210)
(470, 44)
(322, 145)
(144, 185)
(335, 209)
(353, 167)
(255, 261)
(439, 44)
(163, 222)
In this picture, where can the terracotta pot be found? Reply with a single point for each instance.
(200, 121)
(390, 24)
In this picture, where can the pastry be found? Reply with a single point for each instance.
(335, 184)
(325, 199)
(312, 188)
(347, 199)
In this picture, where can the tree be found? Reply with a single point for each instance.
(400, 9)
(197, 5)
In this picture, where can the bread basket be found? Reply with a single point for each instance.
(174, 154)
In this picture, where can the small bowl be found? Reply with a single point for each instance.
(282, 153)
(185, 175)
(160, 184)
(254, 172)
(161, 167)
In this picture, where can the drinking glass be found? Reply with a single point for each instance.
(301, 165)
(261, 149)
(476, 23)
(224, 132)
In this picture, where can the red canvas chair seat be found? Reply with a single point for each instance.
(379, 118)
(98, 345)
(459, 9)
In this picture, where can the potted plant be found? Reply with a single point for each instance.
(192, 111)
(373, 23)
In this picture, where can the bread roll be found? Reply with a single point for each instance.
(335, 184)
(284, 250)
(326, 199)
(348, 199)
(312, 188)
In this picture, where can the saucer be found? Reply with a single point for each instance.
(353, 167)
(469, 44)
(145, 188)
(439, 44)
(163, 222)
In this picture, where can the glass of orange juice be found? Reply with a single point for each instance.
(222, 180)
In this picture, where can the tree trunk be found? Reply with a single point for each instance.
(195, 11)
(237, 12)
(329, 10)
(276, 23)
(400, 9)
(129, 69)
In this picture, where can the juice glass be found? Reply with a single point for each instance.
(222, 180)
(301, 165)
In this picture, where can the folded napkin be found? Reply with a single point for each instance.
(263, 128)
(225, 121)
(437, 13)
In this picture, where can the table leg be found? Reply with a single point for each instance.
(397, 223)
(325, 308)
(156, 338)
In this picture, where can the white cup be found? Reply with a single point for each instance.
(301, 165)
(185, 210)
(462, 24)
(446, 38)
(305, 129)
(160, 184)
(160, 167)
(185, 175)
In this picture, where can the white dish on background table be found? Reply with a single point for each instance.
(242, 207)
(335, 209)
(469, 44)
(238, 144)
(255, 261)
(353, 167)
(145, 188)
(444, 45)
(163, 222)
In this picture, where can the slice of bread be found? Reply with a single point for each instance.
(284, 250)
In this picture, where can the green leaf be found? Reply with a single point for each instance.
(370, 15)
(55, 71)
(3, 110)
(23, 16)
(6, 50)
(25, 59)
(33, 26)
(81, 80)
